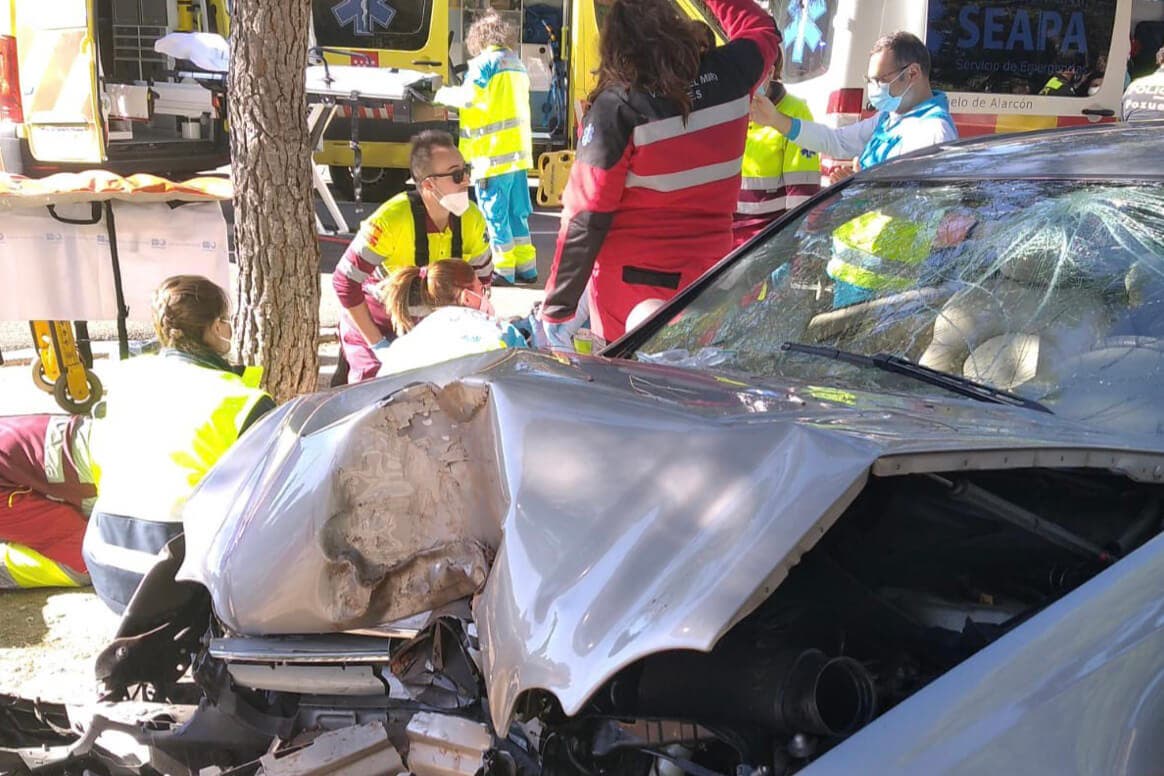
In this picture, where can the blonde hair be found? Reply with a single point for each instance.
(184, 308)
(489, 30)
(437, 285)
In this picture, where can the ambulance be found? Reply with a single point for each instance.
(1005, 65)
(81, 86)
(558, 45)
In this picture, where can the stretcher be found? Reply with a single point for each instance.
(76, 247)
(331, 88)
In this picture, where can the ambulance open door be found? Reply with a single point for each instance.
(57, 51)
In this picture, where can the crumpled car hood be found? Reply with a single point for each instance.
(610, 510)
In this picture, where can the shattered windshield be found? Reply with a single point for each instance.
(1051, 289)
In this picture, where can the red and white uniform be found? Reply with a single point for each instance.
(46, 486)
(648, 207)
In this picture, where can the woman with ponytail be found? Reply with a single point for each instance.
(442, 311)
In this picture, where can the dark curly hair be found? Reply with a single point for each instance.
(648, 46)
(490, 29)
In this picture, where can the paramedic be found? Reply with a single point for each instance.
(46, 492)
(168, 419)
(910, 115)
(1144, 98)
(778, 174)
(441, 312)
(436, 221)
(648, 206)
(496, 138)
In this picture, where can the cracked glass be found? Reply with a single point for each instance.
(1051, 289)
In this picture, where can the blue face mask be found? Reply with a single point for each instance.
(881, 99)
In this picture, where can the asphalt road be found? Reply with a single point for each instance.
(15, 337)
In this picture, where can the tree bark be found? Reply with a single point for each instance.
(277, 321)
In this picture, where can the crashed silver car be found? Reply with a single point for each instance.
(881, 493)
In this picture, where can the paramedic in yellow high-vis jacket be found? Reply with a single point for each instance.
(777, 174)
(496, 139)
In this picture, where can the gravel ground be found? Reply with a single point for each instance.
(49, 641)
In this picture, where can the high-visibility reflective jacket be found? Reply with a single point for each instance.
(1059, 84)
(22, 567)
(46, 489)
(648, 206)
(778, 174)
(168, 420)
(399, 235)
(495, 122)
(877, 253)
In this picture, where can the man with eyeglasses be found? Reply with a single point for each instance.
(910, 114)
(414, 228)
(871, 251)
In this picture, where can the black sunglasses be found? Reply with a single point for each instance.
(458, 175)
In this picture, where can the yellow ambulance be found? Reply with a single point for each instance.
(559, 46)
(82, 86)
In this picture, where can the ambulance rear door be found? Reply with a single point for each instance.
(57, 54)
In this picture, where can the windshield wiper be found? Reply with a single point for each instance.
(963, 386)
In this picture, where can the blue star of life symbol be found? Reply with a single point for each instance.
(363, 15)
(803, 29)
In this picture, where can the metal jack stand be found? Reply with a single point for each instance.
(64, 362)
(357, 88)
(319, 116)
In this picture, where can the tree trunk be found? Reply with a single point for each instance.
(277, 323)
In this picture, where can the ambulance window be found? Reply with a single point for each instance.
(1050, 47)
(807, 28)
(397, 25)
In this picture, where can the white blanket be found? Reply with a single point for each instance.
(50, 270)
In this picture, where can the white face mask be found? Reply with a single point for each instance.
(223, 345)
(482, 303)
(456, 203)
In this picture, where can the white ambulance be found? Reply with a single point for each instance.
(1005, 65)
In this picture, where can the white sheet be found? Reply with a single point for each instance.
(55, 271)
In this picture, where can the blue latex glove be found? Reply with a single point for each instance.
(560, 336)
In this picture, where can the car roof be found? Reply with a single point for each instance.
(1109, 152)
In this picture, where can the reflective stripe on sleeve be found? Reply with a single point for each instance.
(54, 450)
(774, 205)
(790, 178)
(507, 158)
(489, 129)
(349, 270)
(483, 264)
(101, 553)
